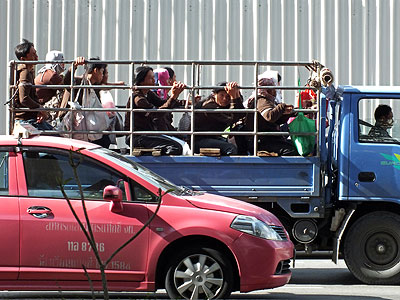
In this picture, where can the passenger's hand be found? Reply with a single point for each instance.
(232, 89)
(42, 116)
(177, 88)
(288, 109)
(79, 61)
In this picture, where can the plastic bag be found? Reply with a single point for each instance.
(93, 120)
(304, 143)
(85, 120)
(185, 121)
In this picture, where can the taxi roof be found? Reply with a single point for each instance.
(46, 141)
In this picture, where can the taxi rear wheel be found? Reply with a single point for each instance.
(199, 273)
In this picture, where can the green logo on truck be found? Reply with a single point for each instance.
(391, 160)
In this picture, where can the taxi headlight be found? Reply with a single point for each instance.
(253, 226)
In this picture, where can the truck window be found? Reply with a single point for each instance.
(378, 120)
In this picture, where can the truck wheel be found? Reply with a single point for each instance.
(372, 248)
(199, 273)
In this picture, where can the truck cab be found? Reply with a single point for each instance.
(367, 175)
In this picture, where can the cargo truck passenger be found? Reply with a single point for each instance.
(270, 116)
(26, 96)
(152, 121)
(51, 74)
(225, 96)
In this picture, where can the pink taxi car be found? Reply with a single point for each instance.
(199, 246)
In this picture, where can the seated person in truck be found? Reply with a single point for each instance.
(162, 78)
(26, 96)
(51, 74)
(270, 116)
(152, 121)
(86, 97)
(225, 96)
(383, 122)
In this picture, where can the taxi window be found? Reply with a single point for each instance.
(45, 170)
(3, 173)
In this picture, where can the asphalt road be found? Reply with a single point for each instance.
(313, 279)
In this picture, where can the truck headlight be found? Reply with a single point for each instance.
(253, 226)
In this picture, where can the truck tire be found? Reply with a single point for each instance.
(199, 273)
(372, 248)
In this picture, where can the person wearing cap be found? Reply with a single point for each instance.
(270, 115)
(225, 96)
(51, 74)
(152, 121)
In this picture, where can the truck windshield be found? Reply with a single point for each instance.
(141, 171)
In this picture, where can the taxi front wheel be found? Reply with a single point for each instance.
(199, 273)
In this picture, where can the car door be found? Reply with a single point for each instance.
(53, 246)
(9, 216)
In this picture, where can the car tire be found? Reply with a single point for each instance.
(199, 273)
(372, 248)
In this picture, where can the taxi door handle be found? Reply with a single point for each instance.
(39, 211)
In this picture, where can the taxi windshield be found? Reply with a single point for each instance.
(138, 169)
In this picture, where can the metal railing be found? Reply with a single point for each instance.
(195, 74)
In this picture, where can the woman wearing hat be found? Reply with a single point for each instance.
(271, 115)
(152, 121)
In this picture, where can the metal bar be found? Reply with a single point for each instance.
(273, 133)
(131, 116)
(317, 124)
(188, 87)
(185, 62)
(192, 119)
(226, 110)
(12, 91)
(255, 137)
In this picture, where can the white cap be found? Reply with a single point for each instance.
(54, 55)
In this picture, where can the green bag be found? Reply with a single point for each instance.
(301, 124)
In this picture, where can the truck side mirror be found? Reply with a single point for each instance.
(113, 194)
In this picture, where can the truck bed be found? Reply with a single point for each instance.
(251, 178)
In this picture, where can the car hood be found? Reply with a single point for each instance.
(225, 204)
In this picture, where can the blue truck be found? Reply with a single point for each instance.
(345, 199)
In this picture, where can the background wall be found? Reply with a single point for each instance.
(358, 39)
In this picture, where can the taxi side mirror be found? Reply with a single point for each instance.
(113, 194)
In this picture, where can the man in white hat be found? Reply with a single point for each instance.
(51, 74)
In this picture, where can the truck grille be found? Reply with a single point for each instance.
(280, 230)
(283, 267)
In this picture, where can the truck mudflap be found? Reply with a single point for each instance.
(339, 235)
